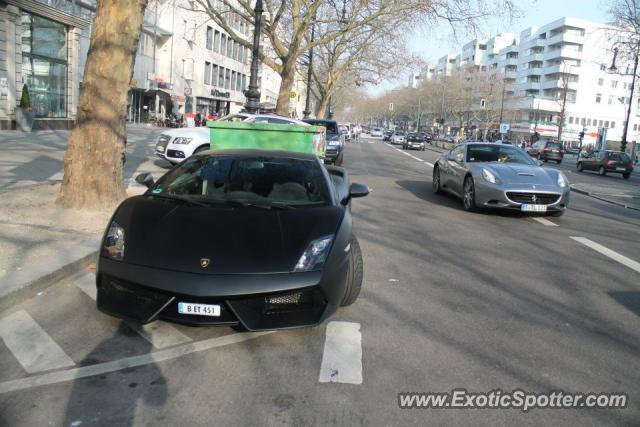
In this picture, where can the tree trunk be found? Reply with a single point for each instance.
(323, 105)
(93, 175)
(288, 75)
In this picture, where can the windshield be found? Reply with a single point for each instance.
(254, 180)
(554, 145)
(497, 153)
(233, 118)
(331, 126)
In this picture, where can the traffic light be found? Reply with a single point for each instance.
(581, 135)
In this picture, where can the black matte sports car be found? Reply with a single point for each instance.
(261, 239)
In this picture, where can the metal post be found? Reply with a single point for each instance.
(252, 105)
(330, 108)
(307, 102)
(623, 145)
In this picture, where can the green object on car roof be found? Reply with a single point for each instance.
(267, 136)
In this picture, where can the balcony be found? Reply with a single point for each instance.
(510, 75)
(568, 37)
(534, 57)
(511, 61)
(564, 52)
(533, 71)
(529, 86)
(559, 84)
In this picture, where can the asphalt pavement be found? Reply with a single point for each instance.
(450, 300)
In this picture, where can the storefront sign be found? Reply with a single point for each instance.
(218, 94)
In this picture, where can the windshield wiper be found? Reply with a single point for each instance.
(267, 206)
(180, 198)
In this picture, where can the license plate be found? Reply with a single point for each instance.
(533, 208)
(199, 309)
(621, 169)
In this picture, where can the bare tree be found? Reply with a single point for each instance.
(287, 22)
(93, 161)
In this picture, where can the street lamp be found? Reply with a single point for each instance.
(307, 103)
(252, 105)
(614, 69)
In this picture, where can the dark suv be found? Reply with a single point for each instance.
(606, 162)
(547, 150)
(334, 150)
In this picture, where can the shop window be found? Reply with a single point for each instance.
(44, 64)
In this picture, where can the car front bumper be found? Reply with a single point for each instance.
(514, 196)
(255, 301)
(416, 145)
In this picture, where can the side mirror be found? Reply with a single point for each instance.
(145, 179)
(356, 190)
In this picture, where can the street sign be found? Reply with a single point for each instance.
(504, 127)
(391, 106)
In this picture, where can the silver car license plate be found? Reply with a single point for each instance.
(533, 208)
(621, 169)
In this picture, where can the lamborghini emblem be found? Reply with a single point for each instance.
(204, 262)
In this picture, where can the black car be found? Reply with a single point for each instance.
(387, 135)
(334, 151)
(261, 239)
(605, 162)
(547, 150)
(414, 141)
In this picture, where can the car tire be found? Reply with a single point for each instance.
(579, 167)
(437, 183)
(602, 171)
(469, 195)
(626, 175)
(355, 274)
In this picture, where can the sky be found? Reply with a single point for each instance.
(433, 43)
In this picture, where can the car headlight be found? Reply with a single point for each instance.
(489, 176)
(182, 140)
(114, 242)
(315, 254)
(562, 180)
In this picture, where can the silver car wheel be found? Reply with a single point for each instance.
(468, 197)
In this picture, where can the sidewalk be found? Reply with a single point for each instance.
(626, 197)
(40, 241)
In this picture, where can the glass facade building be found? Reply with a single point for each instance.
(44, 65)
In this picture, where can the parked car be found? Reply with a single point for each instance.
(177, 145)
(547, 150)
(334, 150)
(376, 132)
(398, 138)
(261, 239)
(605, 162)
(345, 131)
(414, 141)
(426, 137)
(489, 175)
(387, 135)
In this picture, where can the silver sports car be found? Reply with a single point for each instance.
(493, 175)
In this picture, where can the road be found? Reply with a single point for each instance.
(450, 300)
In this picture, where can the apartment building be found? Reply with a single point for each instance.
(185, 63)
(565, 62)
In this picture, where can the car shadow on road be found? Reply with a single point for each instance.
(423, 191)
(629, 300)
(111, 399)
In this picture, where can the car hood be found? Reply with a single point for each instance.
(175, 236)
(199, 132)
(520, 174)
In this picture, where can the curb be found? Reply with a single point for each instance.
(602, 199)
(20, 285)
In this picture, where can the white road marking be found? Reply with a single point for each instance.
(342, 357)
(407, 154)
(128, 362)
(428, 164)
(544, 221)
(32, 347)
(160, 334)
(371, 142)
(634, 265)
